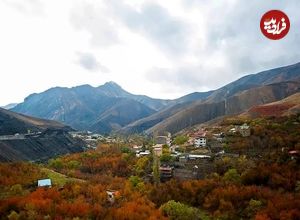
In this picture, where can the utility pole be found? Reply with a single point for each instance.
(156, 174)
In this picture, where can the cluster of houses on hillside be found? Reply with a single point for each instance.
(181, 159)
(201, 147)
(92, 139)
(157, 149)
(194, 162)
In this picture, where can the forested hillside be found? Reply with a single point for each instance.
(262, 182)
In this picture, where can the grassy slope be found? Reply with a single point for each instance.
(59, 179)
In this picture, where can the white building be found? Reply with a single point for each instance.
(196, 156)
(200, 142)
(143, 153)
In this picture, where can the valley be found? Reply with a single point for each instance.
(248, 165)
(231, 153)
(149, 110)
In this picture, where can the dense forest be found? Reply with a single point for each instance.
(263, 182)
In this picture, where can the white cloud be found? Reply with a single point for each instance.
(162, 49)
(29, 7)
(90, 62)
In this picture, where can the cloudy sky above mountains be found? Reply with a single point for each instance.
(163, 49)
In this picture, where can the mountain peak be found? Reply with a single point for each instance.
(112, 84)
(113, 89)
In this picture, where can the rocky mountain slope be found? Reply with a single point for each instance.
(200, 112)
(287, 106)
(109, 108)
(12, 123)
(277, 75)
(28, 138)
(120, 115)
(175, 106)
(87, 108)
(238, 96)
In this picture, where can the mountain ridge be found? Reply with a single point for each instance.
(81, 106)
(34, 139)
(11, 123)
(201, 112)
(246, 83)
(97, 108)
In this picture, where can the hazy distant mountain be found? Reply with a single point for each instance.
(87, 108)
(28, 138)
(112, 89)
(9, 106)
(233, 98)
(110, 108)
